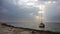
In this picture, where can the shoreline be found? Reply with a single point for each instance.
(26, 29)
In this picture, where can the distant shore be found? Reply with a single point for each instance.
(5, 26)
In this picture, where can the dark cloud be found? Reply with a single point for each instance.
(10, 10)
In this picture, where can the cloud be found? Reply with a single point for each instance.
(12, 11)
(52, 12)
(48, 0)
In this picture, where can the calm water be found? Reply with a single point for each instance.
(49, 26)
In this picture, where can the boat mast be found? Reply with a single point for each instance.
(41, 14)
(41, 17)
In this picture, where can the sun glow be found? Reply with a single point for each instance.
(41, 7)
(50, 2)
(29, 4)
(40, 12)
(23, 0)
(37, 17)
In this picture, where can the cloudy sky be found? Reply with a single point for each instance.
(29, 10)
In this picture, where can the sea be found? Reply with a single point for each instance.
(49, 26)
